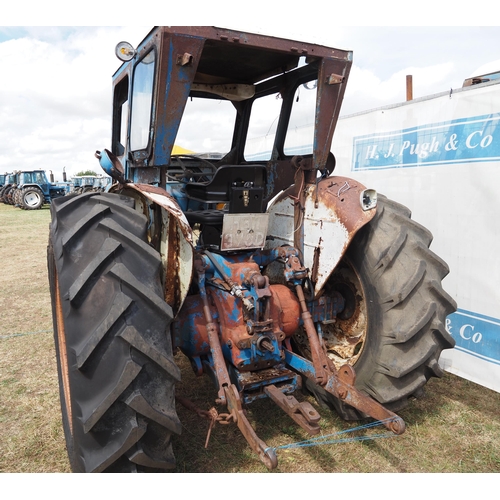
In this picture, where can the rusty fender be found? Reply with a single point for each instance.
(331, 212)
(173, 236)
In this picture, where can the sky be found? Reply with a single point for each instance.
(55, 80)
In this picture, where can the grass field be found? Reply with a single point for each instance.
(454, 428)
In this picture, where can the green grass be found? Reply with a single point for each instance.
(454, 428)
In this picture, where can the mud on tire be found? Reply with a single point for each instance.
(111, 328)
(402, 308)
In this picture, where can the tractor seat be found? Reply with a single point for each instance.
(240, 187)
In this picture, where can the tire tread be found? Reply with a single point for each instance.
(116, 324)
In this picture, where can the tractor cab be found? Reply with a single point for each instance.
(34, 178)
(253, 100)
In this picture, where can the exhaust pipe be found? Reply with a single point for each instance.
(409, 87)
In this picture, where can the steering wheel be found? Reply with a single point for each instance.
(195, 173)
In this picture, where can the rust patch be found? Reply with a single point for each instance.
(172, 288)
(63, 356)
(343, 195)
(314, 271)
(159, 196)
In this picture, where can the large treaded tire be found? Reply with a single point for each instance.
(112, 336)
(4, 194)
(405, 307)
(9, 194)
(16, 198)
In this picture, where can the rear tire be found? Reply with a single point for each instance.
(112, 337)
(392, 330)
(31, 198)
(4, 193)
(16, 198)
(10, 194)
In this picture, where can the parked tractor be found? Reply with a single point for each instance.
(9, 180)
(102, 183)
(83, 183)
(30, 190)
(10, 185)
(264, 268)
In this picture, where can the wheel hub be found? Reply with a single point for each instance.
(32, 199)
(344, 338)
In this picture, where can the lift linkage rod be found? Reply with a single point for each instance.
(338, 382)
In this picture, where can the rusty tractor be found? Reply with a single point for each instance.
(248, 256)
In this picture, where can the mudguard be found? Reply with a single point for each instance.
(171, 235)
(321, 222)
(175, 239)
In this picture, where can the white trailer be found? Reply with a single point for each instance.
(440, 156)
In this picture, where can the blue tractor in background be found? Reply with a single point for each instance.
(262, 267)
(30, 190)
(10, 180)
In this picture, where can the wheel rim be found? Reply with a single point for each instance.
(345, 339)
(32, 199)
